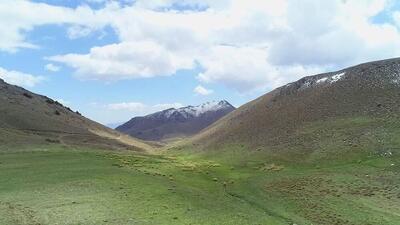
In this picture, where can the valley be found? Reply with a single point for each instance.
(189, 112)
(331, 158)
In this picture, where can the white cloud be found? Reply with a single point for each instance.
(78, 31)
(127, 106)
(20, 78)
(245, 45)
(125, 60)
(163, 106)
(123, 111)
(200, 90)
(17, 18)
(51, 67)
(96, 1)
(141, 108)
(240, 68)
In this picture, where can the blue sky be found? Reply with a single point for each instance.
(113, 60)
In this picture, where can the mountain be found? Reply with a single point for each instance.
(28, 118)
(173, 123)
(353, 111)
(113, 125)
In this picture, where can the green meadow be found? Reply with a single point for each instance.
(55, 184)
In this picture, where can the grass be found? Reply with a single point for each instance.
(81, 187)
(56, 185)
(350, 178)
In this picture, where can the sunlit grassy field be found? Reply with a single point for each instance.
(58, 185)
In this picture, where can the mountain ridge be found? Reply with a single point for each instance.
(28, 117)
(281, 120)
(172, 123)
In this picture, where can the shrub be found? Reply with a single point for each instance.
(28, 95)
(50, 101)
(52, 140)
(57, 103)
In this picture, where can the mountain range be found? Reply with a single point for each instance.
(176, 123)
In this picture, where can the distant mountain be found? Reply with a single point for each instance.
(174, 123)
(351, 111)
(113, 125)
(28, 119)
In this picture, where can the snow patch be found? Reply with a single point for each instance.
(331, 79)
(322, 80)
(337, 77)
(169, 112)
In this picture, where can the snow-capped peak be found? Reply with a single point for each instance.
(205, 107)
(195, 111)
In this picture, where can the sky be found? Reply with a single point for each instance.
(113, 60)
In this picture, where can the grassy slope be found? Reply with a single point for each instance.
(357, 183)
(60, 185)
(77, 187)
(27, 118)
(274, 120)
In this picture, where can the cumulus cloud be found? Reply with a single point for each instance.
(96, 1)
(19, 17)
(78, 31)
(51, 67)
(242, 68)
(244, 45)
(20, 78)
(125, 60)
(141, 108)
(200, 90)
(124, 111)
(128, 106)
(163, 106)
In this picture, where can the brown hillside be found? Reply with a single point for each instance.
(282, 118)
(29, 118)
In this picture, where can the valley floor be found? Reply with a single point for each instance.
(58, 185)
